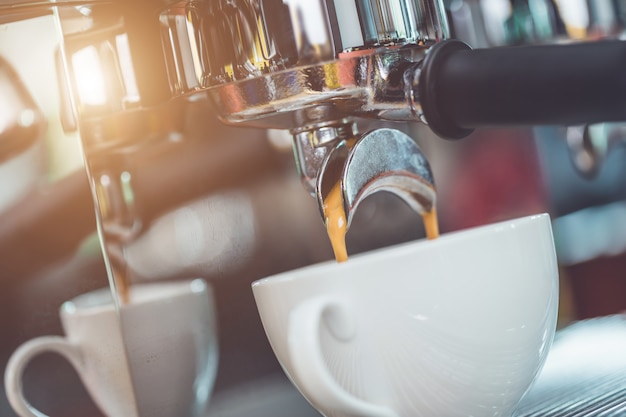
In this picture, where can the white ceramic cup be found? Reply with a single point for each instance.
(157, 357)
(457, 326)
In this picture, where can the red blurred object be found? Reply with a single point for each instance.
(498, 177)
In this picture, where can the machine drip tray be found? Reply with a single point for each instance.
(585, 375)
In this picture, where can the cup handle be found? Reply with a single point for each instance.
(20, 359)
(308, 362)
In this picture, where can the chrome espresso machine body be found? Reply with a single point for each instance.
(307, 67)
(313, 67)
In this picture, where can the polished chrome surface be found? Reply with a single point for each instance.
(394, 22)
(366, 84)
(138, 72)
(309, 67)
(312, 145)
(306, 66)
(222, 41)
(381, 160)
(264, 61)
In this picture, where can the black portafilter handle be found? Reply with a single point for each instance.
(460, 89)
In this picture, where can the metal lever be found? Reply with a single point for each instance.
(380, 160)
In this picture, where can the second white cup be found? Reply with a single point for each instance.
(156, 356)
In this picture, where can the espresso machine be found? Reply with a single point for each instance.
(169, 104)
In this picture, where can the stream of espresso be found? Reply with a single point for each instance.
(431, 224)
(337, 224)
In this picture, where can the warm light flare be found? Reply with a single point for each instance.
(89, 77)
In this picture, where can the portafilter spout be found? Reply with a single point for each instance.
(380, 160)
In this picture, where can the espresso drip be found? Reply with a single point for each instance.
(337, 224)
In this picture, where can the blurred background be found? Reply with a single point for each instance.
(226, 204)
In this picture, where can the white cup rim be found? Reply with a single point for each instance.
(404, 249)
(101, 300)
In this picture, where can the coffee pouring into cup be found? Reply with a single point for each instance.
(313, 67)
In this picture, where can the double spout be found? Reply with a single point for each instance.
(380, 160)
